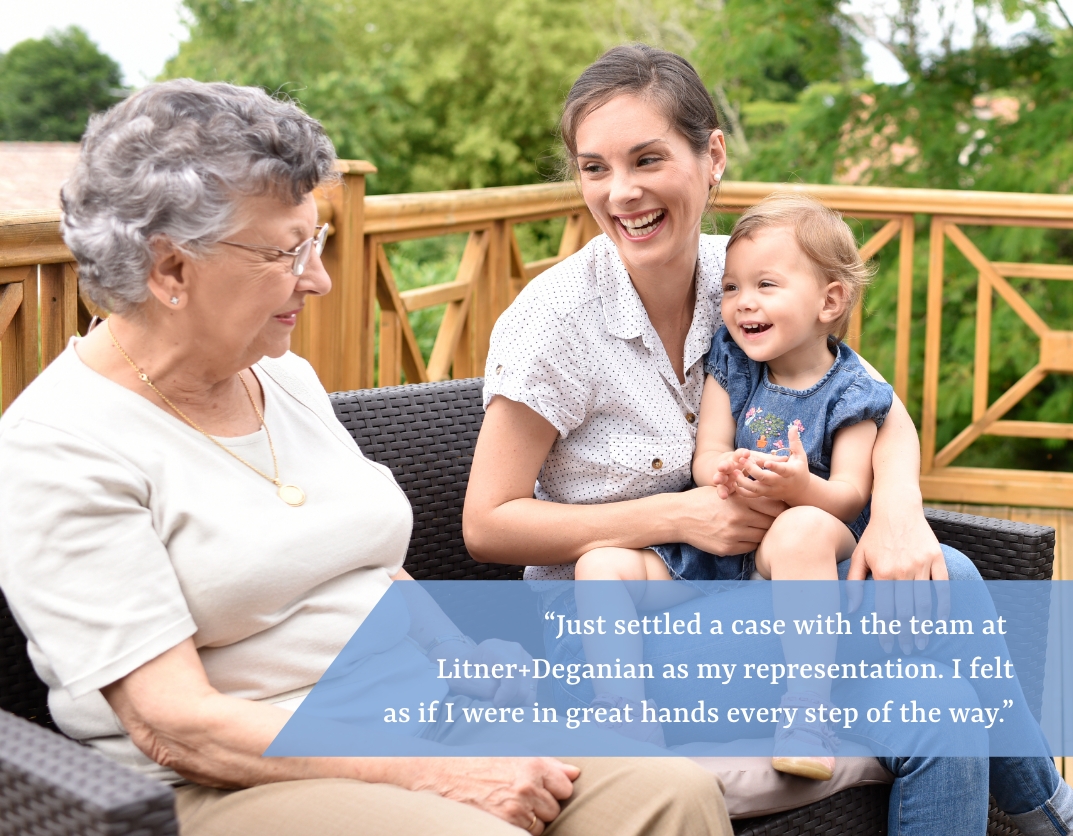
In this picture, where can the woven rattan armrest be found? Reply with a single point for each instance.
(50, 785)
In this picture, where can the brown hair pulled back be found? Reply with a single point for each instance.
(667, 79)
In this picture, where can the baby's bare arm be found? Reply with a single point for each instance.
(715, 460)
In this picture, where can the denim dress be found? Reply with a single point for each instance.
(764, 413)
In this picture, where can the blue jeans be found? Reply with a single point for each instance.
(952, 791)
(928, 792)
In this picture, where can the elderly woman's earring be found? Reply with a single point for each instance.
(174, 300)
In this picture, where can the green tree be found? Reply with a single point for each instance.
(437, 94)
(445, 95)
(985, 117)
(760, 55)
(50, 87)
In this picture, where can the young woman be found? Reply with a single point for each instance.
(593, 387)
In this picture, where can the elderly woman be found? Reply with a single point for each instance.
(592, 390)
(188, 537)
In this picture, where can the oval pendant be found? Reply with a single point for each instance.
(292, 495)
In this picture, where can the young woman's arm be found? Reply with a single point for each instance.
(898, 543)
(503, 523)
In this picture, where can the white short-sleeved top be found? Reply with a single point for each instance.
(123, 531)
(578, 348)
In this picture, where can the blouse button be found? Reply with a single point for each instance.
(657, 464)
(690, 417)
(499, 369)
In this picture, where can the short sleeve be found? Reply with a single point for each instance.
(732, 369)
(864, 399)
(74, 517)
(537, 358)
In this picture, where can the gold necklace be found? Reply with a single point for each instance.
(291, 494)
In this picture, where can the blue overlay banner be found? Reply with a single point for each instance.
(907, 668)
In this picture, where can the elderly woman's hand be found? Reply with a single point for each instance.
(523, 791)
(175, 716)
(512, 688)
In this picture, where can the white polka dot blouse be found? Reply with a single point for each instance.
(577, 347)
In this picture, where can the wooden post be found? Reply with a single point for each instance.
(491, 296)
(856, 317)
(981, 371)
(905, 309)
(462, 365)
(390, 359)
(59, 308)
(338, 331)
(18, 341)
(932, 339)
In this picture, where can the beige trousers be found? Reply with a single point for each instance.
(613, 796)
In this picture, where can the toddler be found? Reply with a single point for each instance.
(788, 413)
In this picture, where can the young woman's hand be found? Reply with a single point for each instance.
(735, 525)
(777, 477)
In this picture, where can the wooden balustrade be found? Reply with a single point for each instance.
(491, 273)
(360, 333)
(38, 298)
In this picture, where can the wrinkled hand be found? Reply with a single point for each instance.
(899, 545)
(513, 789)
(728, 469)
(513, 690)
(777, 477)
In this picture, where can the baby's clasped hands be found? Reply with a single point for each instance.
(776, 477)
(728, 471)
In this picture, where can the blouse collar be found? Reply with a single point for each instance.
(626, 316)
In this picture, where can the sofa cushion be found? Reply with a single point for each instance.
(752, 788)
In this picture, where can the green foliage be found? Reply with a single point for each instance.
(771, 51)
(50, 87)
(438, 94)
(984, 118)
(444, 95)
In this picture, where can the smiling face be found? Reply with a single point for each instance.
(644, 185)
(775, 304)
(247, 301)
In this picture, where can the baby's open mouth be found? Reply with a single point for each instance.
(756, 327)
(643, 225)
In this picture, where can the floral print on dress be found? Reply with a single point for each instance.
(771, 430)
(767, 428)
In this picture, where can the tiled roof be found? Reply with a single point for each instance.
(31, 174)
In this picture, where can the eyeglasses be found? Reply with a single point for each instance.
(300, 254)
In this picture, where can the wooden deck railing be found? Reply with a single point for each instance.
(361, 334)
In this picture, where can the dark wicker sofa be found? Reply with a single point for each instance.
(426, 435)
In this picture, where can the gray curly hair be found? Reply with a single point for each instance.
(173, 161)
